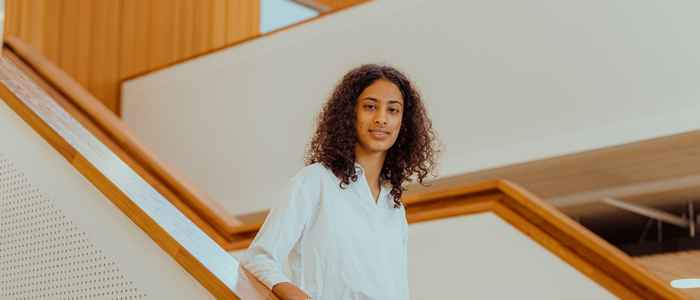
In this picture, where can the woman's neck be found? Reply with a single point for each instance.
(372, 164)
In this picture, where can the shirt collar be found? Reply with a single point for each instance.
(361, 172)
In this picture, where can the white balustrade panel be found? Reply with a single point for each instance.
(481, 256)
(61, 238)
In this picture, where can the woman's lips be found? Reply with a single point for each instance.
(379, 134)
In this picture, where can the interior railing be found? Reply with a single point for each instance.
(562, 236)
(227, 230)
(214, 268)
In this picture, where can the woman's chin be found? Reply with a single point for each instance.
(375, 146)
(379, 147)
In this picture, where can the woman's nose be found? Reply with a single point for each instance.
(380, 121)
(380, 118)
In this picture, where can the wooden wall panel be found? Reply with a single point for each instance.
(32, 26)
(84, 38)
(185, 35)
(103, 42)
(162, 46)
(70, 22)
(218, 22)
(240, 24)
(176, 30)
(52, 23)
(135, 47)
(202, 30)
(10, 25)
(104, 71)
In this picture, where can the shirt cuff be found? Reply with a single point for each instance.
(271, 281)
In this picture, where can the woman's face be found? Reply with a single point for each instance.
(378, 113)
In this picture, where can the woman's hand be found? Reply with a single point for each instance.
(288, 291)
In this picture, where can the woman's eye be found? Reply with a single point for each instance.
(393, 110)
(368, 106)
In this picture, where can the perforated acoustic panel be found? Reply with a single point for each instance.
(43, 255)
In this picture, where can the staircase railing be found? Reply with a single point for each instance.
(212, 266)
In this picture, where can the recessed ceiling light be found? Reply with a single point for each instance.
(686, 283)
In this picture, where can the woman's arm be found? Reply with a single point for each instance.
(282, 229)
(289, 291)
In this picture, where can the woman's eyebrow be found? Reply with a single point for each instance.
(370, 98)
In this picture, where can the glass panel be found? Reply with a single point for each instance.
(275, 14)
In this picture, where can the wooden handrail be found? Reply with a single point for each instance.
(208, 263)
(225, 224)
(573, 243)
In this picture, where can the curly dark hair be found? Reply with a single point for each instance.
(333, 144)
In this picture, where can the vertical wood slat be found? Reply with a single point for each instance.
(104, 58)
(136, 39)
(161, 33)
(69, 38)
(218, 23)
(24, 12)
(202, 19)
(10, 16)
(32, 22)
(243, 19)
(231, 22)
(128, 25)
(84, 24)
(186, 31)
(52, 30)
(6, 19)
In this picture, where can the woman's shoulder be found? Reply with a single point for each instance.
(315, 172)
(309, 181)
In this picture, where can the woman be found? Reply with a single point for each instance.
(342, 227)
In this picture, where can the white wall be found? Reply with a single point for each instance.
(504, 82)
(483, 257)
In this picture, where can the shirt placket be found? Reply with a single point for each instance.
(367, 191)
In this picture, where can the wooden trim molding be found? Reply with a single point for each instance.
(318, 6)
(199, 255)
(327, 6)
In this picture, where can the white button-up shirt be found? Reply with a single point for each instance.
(339, 243)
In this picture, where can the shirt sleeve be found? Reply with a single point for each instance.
(282, 229)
